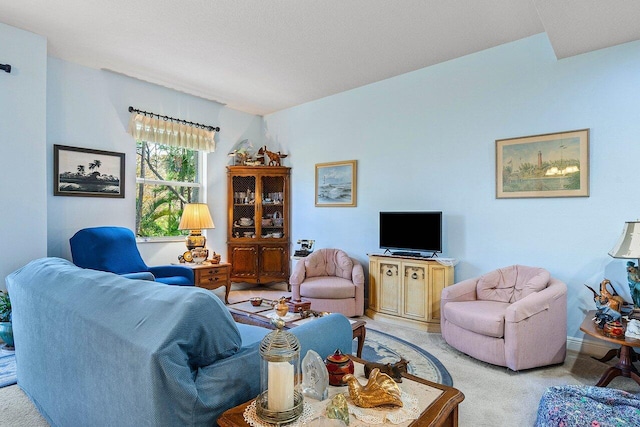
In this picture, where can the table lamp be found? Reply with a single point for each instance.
(195, 217)
(628, 247)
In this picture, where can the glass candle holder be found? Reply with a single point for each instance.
(280, 400)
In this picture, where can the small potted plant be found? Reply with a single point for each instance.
(6, 330)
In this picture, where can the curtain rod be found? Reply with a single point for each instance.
(131, 110)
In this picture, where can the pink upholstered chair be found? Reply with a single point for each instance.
(331, 280)
(515, 317)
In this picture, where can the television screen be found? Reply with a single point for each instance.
(411, 231)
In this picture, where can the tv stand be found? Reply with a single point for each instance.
(406, 290)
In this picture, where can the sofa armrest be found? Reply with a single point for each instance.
(357, 277)
(324, 335)
(143, 275)
(461, 291)
(296, 278)
(172, 270)
(536, 302)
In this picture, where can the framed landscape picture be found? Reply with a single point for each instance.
(549, 165)
(336, 183)
(88, 173)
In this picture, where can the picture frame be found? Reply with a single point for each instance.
(336, 184)
(84, 172)
(547, 165)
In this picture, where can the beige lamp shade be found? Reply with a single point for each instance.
(196, 216)
(628, 245)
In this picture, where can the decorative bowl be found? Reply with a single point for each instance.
(246, 221)
(256, 301)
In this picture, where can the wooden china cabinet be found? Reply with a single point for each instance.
(258, 238)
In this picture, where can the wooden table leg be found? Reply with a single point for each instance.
(227, 289)
(360, 333)
(624, 368)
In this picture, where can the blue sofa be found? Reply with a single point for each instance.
(96, 349)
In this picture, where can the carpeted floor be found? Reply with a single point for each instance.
(494, 396)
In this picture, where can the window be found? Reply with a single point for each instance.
(167, 178)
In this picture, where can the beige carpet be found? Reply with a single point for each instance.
(494, 396)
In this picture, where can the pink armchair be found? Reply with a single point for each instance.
(515, 317)
(331, 280)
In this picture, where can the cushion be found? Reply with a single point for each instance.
(481, 317)
(327, 288)
(511, 284)
(328, 262)
(578, 406)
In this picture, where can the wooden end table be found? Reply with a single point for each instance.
(442, 410)
(212, 276)
(624, 367)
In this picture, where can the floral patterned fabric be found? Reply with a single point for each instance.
(588, 406)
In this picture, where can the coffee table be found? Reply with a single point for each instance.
(439, 403)
(624, 367)
(244, 312)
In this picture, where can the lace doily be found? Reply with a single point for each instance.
(409, 411)
(253, 420)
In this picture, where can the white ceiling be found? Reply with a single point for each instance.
(262, 56)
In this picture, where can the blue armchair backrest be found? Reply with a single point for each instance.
(110, 249)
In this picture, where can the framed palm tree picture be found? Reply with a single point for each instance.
(87, 173)
(549, 165)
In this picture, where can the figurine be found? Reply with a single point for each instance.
(633, 275)
(394, 370)
(315, 377)
(338, 409)
(606, 298)
(274, 158)
(380, 390)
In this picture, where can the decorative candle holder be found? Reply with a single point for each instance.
(280, 400)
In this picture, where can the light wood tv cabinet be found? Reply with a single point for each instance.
(406, 291)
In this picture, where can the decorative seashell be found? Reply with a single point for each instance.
(380, 390)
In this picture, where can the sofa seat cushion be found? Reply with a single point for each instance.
(327, 287)
(481, 317)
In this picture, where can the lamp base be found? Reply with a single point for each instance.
(195, 239)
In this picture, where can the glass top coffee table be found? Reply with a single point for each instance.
(245, 312)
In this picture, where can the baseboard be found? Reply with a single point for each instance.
(586, 346)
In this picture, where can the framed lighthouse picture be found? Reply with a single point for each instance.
(549, 165)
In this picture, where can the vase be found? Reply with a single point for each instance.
(6, 333)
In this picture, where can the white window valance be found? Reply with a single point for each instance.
(168, 131)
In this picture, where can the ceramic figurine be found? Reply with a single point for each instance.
(394, 370)
(633, 276)
(338, 409)
(315, 377)
(380, 390)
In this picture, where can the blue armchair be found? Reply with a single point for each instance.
(114, 249)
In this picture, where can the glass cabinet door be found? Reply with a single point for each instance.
(273, 211)
(244, 207)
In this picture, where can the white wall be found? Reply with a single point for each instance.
(89, 108)
(426, 141)
(23, 219)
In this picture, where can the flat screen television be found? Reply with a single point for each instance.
(409, 233)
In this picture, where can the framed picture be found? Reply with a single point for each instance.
(549, 165)
(87, 173)
(336, 183)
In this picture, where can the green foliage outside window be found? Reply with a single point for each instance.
(167, 179)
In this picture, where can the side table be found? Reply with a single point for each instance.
(212, 276)
(625, 366)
